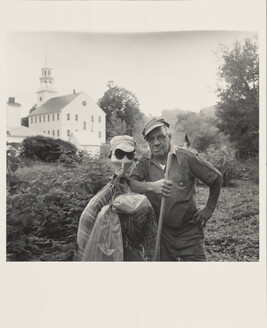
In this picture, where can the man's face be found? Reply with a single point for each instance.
(159, 141)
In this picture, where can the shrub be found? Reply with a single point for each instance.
(224, 160)
(43, 210)
(48, 149)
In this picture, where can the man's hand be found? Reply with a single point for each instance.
(202, 216)
(162, 187)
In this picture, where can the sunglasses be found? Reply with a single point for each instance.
(119, 154)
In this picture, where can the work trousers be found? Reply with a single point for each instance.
(186, 244)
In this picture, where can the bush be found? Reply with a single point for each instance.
(224, 160)
(48, 149)
(43, 210)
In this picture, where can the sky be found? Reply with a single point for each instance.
(165, 70)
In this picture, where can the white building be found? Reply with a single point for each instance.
(15, 132)
(80, 140)
(65, 116)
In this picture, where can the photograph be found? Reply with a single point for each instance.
(133, 131)
(74, 99)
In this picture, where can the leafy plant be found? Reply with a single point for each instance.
(48, 149)
(43, 209)
(224, 160)
(238, 93)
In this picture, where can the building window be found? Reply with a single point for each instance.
(41, 98)
(48, 132)
(68, 133)
(99, 119)
(57, 116)
(35, 119)
(48, 118)
(68, 116)
(53, 132)
(99, 134)
(76, 117)
(31, 120)
(40, 118)
(58, 133)
(44, 118)
(53, 117)
(92, 118)
(44, 131)
(84, 125)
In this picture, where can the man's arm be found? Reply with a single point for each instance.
(204, 214)
(161, 187)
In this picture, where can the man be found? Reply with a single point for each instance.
(100, 232)
(182, 235)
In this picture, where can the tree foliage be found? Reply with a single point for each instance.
(48, 149)
(116, 126)
(238, 92)
(34, 107)
(201, 130)
(120, 105)
(24, 121)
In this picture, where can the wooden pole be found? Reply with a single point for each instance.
(162, 210)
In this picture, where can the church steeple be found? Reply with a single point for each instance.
(46, 90)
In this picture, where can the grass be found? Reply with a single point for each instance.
(232, 234)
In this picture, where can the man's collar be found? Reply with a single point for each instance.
(172, 151)
(173, 148)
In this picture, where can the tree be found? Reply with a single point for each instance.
(238, 92)
(120, 103)
(116, 126)
(201, 130)
(24, 121)
(33, 108)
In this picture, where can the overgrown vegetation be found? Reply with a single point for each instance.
(45, 202)
(44, 206)
(48, 149)
(232, 234)
(238, 93)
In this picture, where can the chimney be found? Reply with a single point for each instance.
(11, 100)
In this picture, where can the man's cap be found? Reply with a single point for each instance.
(153, 124)
(125, 143)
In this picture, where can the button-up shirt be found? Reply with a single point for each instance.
(185, 168)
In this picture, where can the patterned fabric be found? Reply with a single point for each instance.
(138, 230)
(113, 189)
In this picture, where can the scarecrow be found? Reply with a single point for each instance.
(117, 225)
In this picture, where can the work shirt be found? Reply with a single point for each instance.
(138, 230)
(185, 168)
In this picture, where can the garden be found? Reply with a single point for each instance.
(45, 200)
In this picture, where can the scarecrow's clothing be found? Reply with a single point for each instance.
(138, 229)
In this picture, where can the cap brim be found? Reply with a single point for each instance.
(154, 126)
(126, 148)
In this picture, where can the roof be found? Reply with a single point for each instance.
(55, 104)
(15, 104)
(22, 131)
(86, 138)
